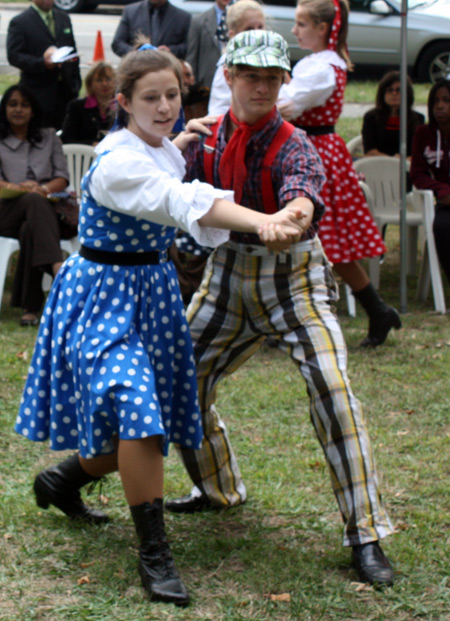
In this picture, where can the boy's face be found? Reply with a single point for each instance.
(254, 90)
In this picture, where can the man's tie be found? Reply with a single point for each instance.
(154, 26)
(50, 22)
(222, 30)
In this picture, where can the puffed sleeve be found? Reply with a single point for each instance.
(312, 84)
(128, 182)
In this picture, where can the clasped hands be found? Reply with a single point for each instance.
(29, 186)
(286, 227)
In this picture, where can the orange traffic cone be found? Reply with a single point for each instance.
(99, 52)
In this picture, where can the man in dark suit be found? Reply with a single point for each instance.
(206, 40)
(166, 25)
(33, 36)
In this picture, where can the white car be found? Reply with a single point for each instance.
(374, 31)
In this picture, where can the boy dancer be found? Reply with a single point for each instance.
(248, 294)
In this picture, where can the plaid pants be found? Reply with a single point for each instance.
(246, 295)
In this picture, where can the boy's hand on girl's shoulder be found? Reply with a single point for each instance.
(196, 130)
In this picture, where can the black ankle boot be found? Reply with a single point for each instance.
(381, 316)
(156, 566)
(60, 486)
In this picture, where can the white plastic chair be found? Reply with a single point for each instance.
(355, 147)
(79, 158)
(382, 176)
(8, 246)
(429, 268)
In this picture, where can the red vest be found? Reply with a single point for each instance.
(283, 134)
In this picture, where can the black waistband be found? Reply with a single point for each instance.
(320, 130)
(120, 258)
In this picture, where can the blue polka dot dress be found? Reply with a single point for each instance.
(113, 354)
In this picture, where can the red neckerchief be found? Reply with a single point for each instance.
(232, 169)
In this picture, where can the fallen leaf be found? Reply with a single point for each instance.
(84, 565)
(83, 580)
(315, 465)
(7, 536)
(23, 355)
(361, 586)
(280, 597)
(103, 499)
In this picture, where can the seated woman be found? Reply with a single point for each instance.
(32, 166)
(430, 165)
(88, 119)
(381, 125)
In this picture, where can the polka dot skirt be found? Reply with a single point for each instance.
(347, 230)
(113, 355)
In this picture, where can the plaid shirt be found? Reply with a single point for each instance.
(296, 171)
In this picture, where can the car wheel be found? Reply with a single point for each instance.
(75, 6)
(434, 64)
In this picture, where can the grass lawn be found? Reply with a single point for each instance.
(279, 556)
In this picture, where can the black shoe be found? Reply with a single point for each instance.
(380, 326)
(382, 318)
(156, 566)
(191, 503)
(372, 565)
(60, 486)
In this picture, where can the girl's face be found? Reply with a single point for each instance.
(154, 106)
(251, 20)
(392, 95)
(441, 106)
(18, 111)
(310, 36)
(102, 85)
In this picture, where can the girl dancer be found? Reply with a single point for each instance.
(113, 374)
(313, 101)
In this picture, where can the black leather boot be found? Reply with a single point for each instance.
(156, 566)
(60, 486)
(382, 317)
(372, 565)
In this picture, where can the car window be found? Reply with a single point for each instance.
(360, 5)
(292, 3)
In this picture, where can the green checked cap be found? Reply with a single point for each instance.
(258, 48)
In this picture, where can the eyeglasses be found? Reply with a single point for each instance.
(393, 90)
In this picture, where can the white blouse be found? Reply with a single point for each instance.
(145, 182)
(313, 82)
(220, 95)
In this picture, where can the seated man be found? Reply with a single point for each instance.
(249, 293)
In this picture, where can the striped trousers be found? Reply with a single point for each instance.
(246, 295)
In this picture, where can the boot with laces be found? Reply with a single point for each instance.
(156, 566)
(60, 486)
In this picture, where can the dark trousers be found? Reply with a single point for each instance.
(441, 230)
(32, 220)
